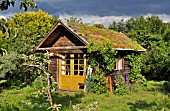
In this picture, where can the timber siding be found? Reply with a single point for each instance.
(52, 67)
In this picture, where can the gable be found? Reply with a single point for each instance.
(60, 37)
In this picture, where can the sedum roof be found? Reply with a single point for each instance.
(100, 35)
(86, 34)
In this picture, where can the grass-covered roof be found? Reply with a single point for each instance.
(86, 34)
(100, 35)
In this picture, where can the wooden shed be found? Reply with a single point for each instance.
(68, 42)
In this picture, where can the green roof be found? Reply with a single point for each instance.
(100, 35)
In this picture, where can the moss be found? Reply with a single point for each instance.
(100, 35)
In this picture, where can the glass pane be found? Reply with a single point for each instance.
(75, 72)
(63, 67)
(75, 67)
(63, 57)
(81, 62)
(75, 61)
(67, 61)
(81, 67)
(67, 56)
(63, 62)
(75, 56)
(67, 72)
(81, 56)
(68, 67)
(63, 72)
(81, 73)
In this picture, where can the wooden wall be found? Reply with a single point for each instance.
(126, 69)
(53, 66)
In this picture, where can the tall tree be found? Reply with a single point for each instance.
(24, 30)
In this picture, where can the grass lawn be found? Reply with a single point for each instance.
(148, 99)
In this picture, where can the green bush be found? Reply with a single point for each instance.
(96, 84)
(100, 84)
(121, 88)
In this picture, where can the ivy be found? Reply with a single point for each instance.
(102, 56)
(135, 73)
(102, 59)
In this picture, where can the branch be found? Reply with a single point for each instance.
(48, 80)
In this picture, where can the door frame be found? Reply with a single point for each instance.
(71, 81)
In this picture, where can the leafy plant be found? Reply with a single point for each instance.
(102, 60)
(24, 30)
(5, 4)
(45, 83)
(154, 35)
(102, 57)
(135, 73)
(99, 86)
(121, 88)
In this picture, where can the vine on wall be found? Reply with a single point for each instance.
(135, 74)
(102, 59)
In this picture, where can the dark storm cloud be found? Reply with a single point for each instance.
(106, 7)
(101, 7)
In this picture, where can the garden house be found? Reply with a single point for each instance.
(68, 42)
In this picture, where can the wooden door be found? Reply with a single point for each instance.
(72, 69)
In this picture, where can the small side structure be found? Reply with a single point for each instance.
(69, 43)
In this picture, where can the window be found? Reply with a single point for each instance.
(120, 63)
(73, 64)
(79, 65)
(65, 64)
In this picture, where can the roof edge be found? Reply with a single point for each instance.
(121, 49)
(74, 33)
(51, 31)
(46, 36)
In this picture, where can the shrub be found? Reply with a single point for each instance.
(135, 74)
(121, 87)
(96, 84)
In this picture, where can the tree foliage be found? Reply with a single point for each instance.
(24, 30)
(74, 20)
(18, 36)
(154, 35)
(24, 4)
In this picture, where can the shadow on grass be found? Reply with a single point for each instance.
(67, 100)
(156, 87)
(141, 105)
(41, 103)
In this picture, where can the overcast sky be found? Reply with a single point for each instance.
(101, 11)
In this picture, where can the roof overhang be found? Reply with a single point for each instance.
(121, 49)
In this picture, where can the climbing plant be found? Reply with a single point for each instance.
(102, 59)
(135, 73)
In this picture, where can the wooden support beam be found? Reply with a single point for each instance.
(61, 48)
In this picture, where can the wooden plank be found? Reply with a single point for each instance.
(60, 48)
